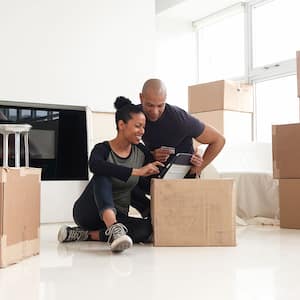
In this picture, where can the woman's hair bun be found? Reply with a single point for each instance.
(121, 102)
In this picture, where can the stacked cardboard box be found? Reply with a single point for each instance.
(19, 214)
(225, 105)
(286, 168)
(298, 71)
(193, 212)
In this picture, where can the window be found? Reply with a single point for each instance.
(275, 31)
(276, 103)
(221, 46)
(12, 114)
(25, 114)
(255, 42)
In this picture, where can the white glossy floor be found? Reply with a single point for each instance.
(264, 266)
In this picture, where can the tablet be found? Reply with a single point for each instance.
(178, 167)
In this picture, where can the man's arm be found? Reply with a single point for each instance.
(215, 141)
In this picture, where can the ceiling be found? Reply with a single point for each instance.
(191, 9)
(161, 5)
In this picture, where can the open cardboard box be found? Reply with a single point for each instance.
(19, 214)
(193, 212)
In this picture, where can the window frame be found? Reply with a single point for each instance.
(252, 75)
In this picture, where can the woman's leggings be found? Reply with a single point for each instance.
(97, 197)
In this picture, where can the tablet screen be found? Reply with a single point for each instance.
(178, 167)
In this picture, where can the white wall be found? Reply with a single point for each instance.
(75, 51)
(176, 43)
(176, 57)
(102, 121)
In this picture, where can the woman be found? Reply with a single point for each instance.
(101, 212)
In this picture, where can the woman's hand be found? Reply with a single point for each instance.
(147, 170)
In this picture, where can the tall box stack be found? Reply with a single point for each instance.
(286, 168)
(19, 214)
(225, 105)
(298, 71)
(193, 212)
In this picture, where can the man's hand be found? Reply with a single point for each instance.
(147, 170)
(215, 141)
(197, 162)
(162, 154)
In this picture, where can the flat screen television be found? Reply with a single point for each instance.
(57, 140)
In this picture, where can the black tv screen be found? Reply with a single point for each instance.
(42, 144)
(57, 140)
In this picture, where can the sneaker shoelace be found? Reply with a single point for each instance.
(115, 231)
(77, 235)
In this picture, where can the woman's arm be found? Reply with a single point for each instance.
(99, 166)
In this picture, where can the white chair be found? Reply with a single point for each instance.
(17, 130)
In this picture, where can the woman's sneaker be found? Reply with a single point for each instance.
(72, 234)
(118, 240)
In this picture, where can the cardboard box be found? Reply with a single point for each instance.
(19, 214)
(289, 202)
(298, 72)
(193, 212)
(219, 95)
(234, 125)
(286, 150)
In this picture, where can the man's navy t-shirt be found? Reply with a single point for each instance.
(175, 128)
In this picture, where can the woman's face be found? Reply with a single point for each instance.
(134, 129)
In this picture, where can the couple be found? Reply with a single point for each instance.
(121, 165)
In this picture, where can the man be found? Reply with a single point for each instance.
(171, 126)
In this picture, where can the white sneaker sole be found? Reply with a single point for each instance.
(122, 243)
(62, 234)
